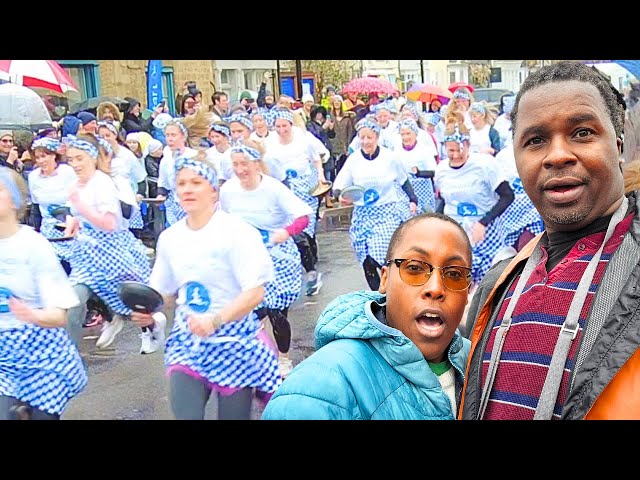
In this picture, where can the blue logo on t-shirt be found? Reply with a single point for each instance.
(265, 235)
(197, 297)
(467, 209)
(371, 196)
(291, 173)
(5, 295)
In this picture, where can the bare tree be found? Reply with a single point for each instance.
(327, 72)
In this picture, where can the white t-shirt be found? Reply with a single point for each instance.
(30, 271)
(479, 138)
(167, 169)
(210, 267)
(258, 139)
(506, 161)
(319, 148)
(389, 135)
(125, 195)
(127, 165)
(469, 191)
(53, 190)
(222, 162)
(503, 126)
(101, 194)
(269, 207)
(423, 155)
(376, 176)
(297, 156)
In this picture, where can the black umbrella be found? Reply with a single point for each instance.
(93, 102)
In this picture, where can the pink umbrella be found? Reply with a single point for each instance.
(37, 73)
(369, 85)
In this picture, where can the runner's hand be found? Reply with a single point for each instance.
(201, 325)
(413, 207)
(478, 232)
(22, 311)
(279, 236)
(142, 319)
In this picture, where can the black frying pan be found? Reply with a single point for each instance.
(140, 297)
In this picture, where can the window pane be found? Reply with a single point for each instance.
(77, 74)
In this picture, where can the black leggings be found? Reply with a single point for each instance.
(371, 274)
(189, 397)
(6, 413)
(281, 328)
(308, 249)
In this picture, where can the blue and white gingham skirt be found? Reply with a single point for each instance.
(423, 188)
(484, 252)
(242, 361)
(136, 218)
(47, 229)
(372, 228)
(103, 260)
(174, 211)
(301, 186)
(40, 366)
(287, 266)
(521, 215)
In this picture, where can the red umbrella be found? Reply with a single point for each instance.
(369, 85)
(37, 73)
(456, 85)
(428, 93)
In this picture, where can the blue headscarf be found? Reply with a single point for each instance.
(71, 141)
(201, 168)
(51, 144)
(367, 123)
(248, 152)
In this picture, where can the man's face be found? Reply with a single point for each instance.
(269, 100)
(224, 103)
(427, 314)
(6, 144)
(567, 154)
(189, 106)
(91, 127)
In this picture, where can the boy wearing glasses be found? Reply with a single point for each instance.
(395, 354)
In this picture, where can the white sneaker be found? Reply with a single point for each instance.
(149, 344)
(159, 327)
(285, 366)
(109, 331)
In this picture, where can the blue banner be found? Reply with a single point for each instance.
(154, 83)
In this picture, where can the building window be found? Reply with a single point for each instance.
(452, 77)
(85, 74)
(225, 76)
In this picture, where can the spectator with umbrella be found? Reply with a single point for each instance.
(133, 121)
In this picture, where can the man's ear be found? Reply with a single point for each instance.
(384, 278)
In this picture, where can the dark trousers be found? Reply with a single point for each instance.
(308, 249)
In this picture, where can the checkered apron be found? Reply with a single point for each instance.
(136, 218)
(484, 251)
(521, 215)
(174, 211)
(300, 185)
(372, 227)
(103, 260)
(287, 266)
(48, 230)
(423, 188)
(234, 356)
(40, 366)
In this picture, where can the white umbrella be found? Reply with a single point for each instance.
(22, 109)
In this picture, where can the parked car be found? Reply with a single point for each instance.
(491, 95)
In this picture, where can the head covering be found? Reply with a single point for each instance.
(70, 125)
(268, 93)
(203, 169)
(307, 98)
(105, 145)
(456, 136)
(478, 107)
(461, 94)
(86, 117)
(71, 141)
(282, 113)
(432, 118)
(410, 124)
(248, 152)
(44, 132)
(161, 121)
(508, 103)
(132, 103)
(10, 184)
(368, 123)
(387, 105)
(410, 107)
(181, 126)
(221, 128)
(331, 88)
(246, 94)
(47, 143)
(154, 146)
(109, 126)
(243, 119)
(4, 133)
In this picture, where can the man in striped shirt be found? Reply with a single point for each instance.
(556, 328)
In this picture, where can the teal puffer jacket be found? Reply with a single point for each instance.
(364, 369)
